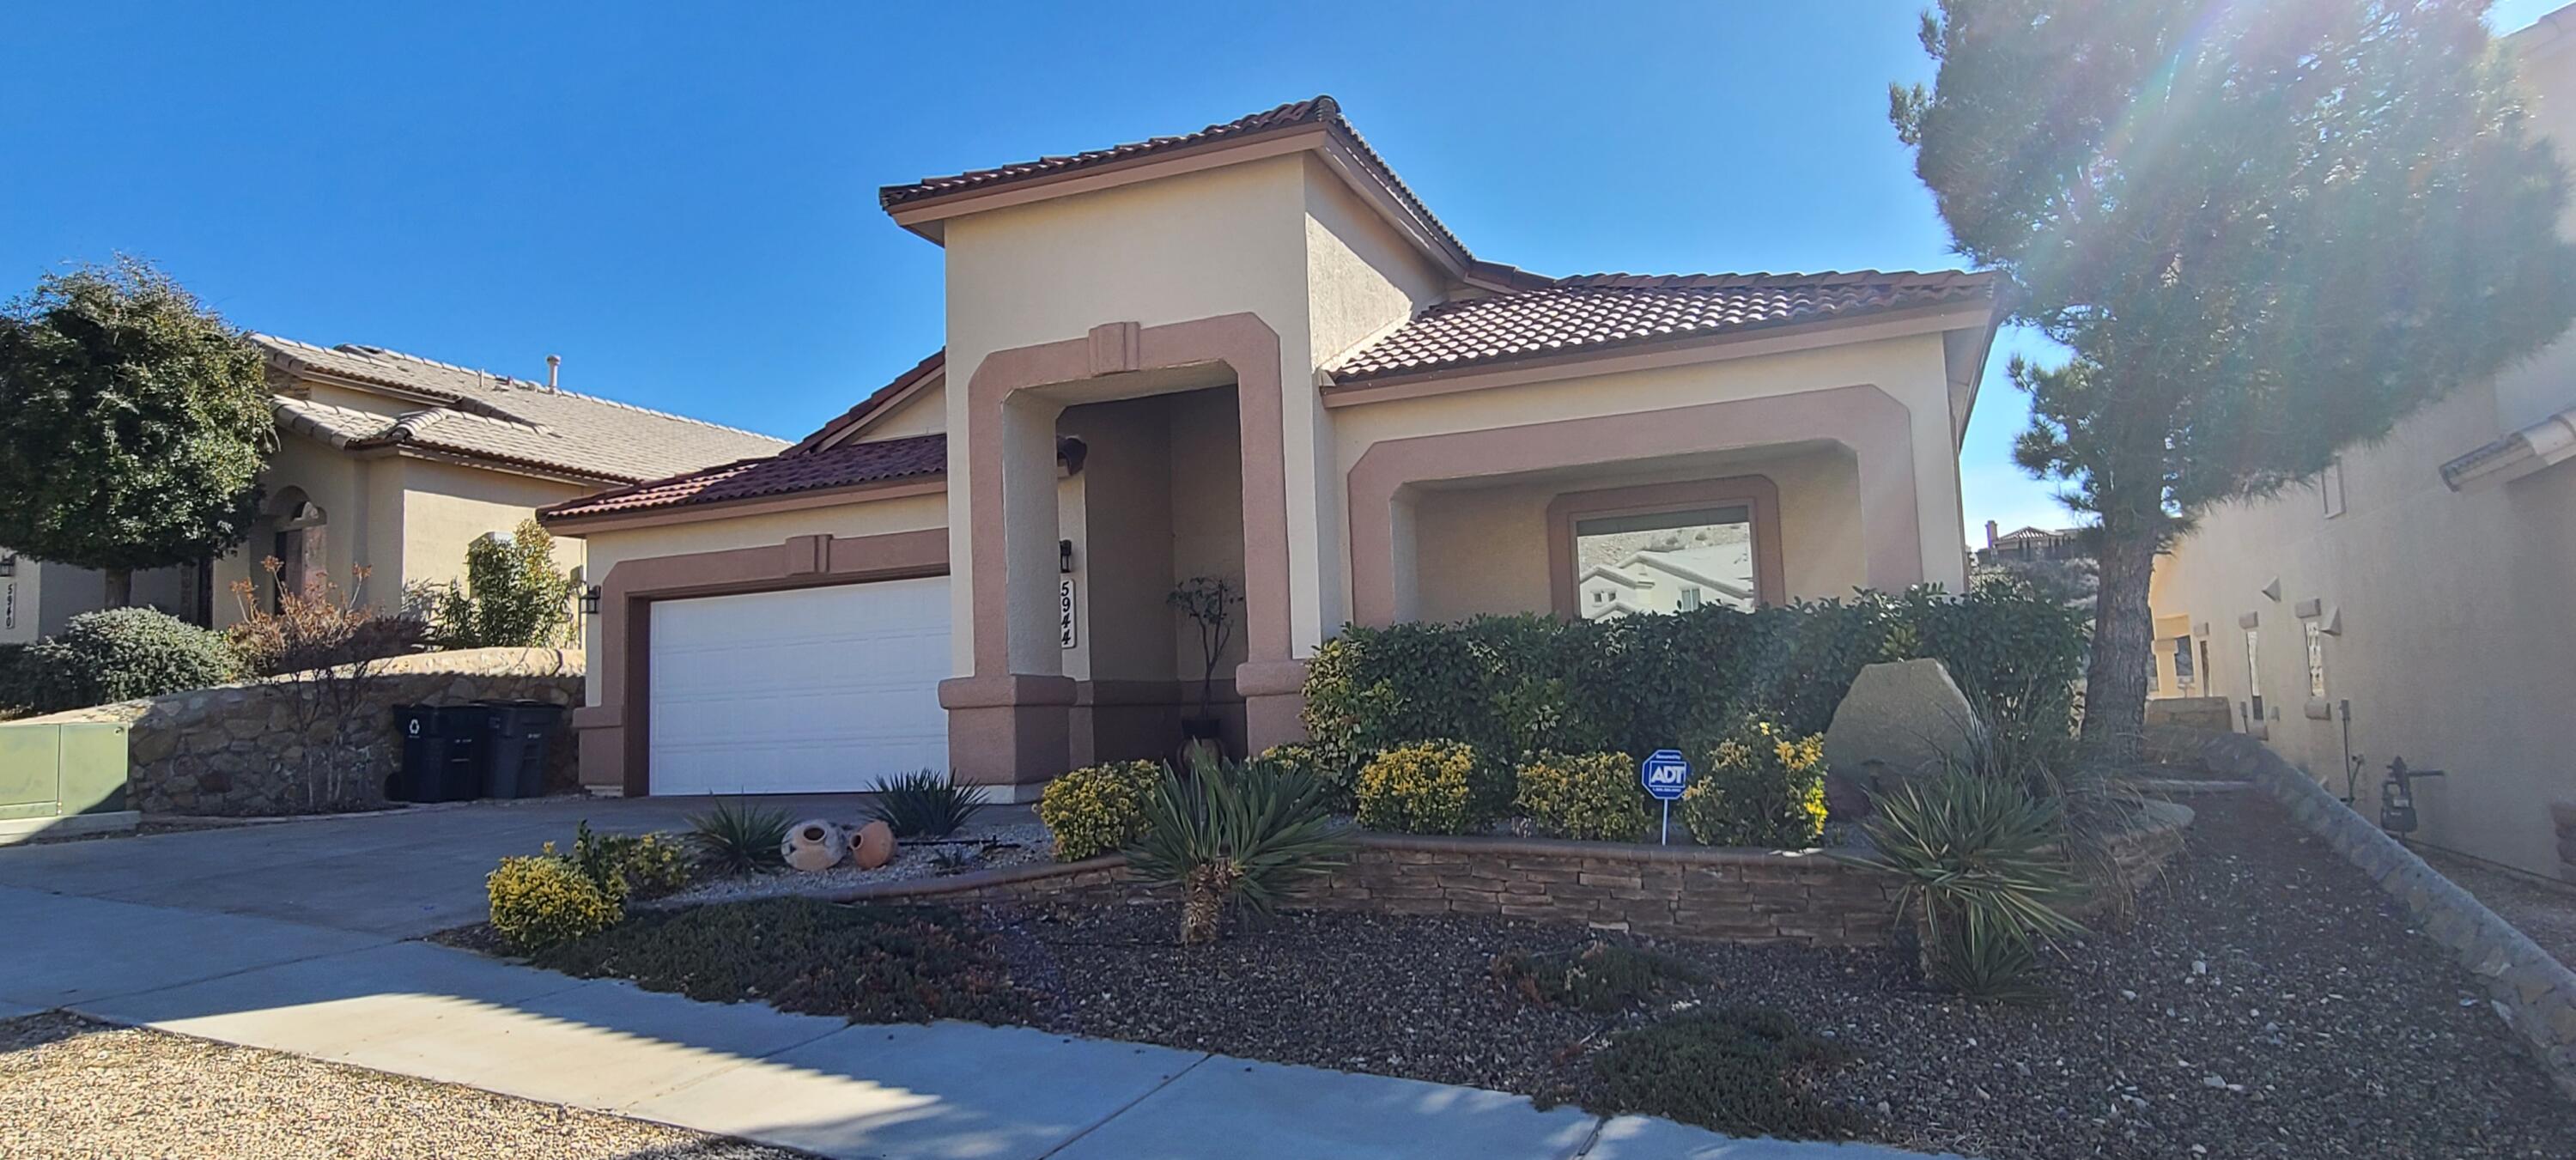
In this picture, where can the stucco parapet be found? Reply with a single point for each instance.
(993, 692)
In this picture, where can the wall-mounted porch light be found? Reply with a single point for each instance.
(590, 600)
(1064, 557)
(8, 563)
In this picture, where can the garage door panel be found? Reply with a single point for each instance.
(811, 690)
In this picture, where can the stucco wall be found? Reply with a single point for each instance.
(1123, 559)
(445, 507)
(1220, 241)
(925, 413)
(361, 527)
(1910, 370)
(1485, 550)
(2455, 643)
(604, 550)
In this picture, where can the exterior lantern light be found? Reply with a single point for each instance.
(590, 600)
(8, 563)
(1064, 556)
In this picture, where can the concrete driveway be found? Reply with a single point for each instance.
(403, 874)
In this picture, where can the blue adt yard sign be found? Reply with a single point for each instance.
(1665, 773)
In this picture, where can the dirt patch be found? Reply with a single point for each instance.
(2546, 911)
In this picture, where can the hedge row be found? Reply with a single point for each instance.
(1511, 685)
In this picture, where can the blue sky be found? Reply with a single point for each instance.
(680, 199)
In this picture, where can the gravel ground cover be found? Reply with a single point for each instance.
(2269, 1001)
(2546, 911)
(990, 846)
(73, 1088)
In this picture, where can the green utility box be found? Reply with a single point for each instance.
(62, 779)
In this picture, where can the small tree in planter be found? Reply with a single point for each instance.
(1209, 602)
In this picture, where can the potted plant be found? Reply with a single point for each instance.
(1209, 602)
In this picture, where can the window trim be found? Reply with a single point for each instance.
(1757, 493)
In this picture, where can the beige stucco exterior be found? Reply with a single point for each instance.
(2441, 615)
(1180, 318)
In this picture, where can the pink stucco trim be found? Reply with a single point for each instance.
(1873, 424)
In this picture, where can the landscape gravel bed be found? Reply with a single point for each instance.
(991, 846)
(70, 1087)
(2544, 911)
(2268, 1001)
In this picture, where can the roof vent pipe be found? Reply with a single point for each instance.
(554, 366)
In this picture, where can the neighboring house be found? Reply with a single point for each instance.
(2413, 600)
(396, 463)
(1247, 352)
(2030, 545)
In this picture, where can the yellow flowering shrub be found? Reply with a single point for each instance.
(1422, 788)
(1591, 796)
(1761, 786)
(1099, 808)
(544, 900)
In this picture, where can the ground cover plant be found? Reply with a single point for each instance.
(1599, 977)
(864, 964)
(1745, 1071)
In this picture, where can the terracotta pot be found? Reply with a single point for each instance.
(873, 845)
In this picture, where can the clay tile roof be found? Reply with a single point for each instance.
(480, 415)
(1319, 110)
(782, 474)
(1599, 311)
(936, 363)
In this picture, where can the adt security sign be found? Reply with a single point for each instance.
(1665, 774)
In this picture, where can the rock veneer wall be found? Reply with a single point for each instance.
(1808, 897)
(2529, 989)
(233, 750)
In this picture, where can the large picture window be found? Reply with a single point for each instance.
(1666, 547)
(1665, 561)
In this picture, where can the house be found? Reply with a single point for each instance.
(1249, 352)
(2025, 545)
(394, 462)
(2411, 602)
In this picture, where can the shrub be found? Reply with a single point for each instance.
(737, 837)
(1600, 978)
(926, 804)
(1985, 871)
(1758, 787)
(1340, 781)
(1522, 684)
(1424, 788)
(119, 654)
(329, 628)
(541, 901)
(512, 596)
(626, 865)
(1098, 808)
(867, 964)
(14, 691)
(1591, 796)
(1229, 835)
(1739, 1070)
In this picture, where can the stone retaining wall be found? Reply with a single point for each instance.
(1735, 895)
(233, 750)
(2529, 989)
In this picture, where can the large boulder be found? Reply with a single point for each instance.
(1900, 718)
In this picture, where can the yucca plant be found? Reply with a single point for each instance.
(737, 837)
(1985, 873)
(1227, 835)
(926, 804)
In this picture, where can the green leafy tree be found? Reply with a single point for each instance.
(133, 424)
(2265, 231)
(513, 595)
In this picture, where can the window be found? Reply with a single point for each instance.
(2330, 488)
(2182, 661)
(2316, 659)
(2254, 670)
(1672, 561)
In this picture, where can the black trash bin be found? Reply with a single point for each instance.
(442, 755)
(517, 735)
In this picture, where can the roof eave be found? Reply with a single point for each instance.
(683, 512)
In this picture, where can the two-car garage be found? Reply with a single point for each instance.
(806, 690)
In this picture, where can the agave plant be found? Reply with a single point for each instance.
(926, 804)
(1985, 873)
(738, 838)
(1227, 835)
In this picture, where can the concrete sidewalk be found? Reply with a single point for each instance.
(948, 1091)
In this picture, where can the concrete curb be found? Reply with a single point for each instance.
(2531, 991)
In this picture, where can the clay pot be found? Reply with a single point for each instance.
(815, 845)
(873, 845)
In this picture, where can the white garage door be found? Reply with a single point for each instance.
(812, 690)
